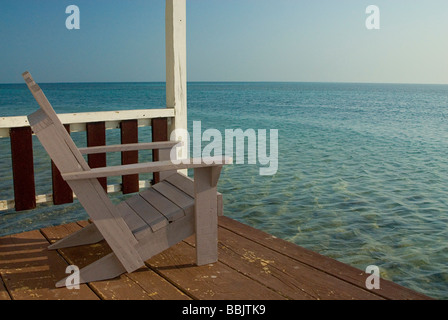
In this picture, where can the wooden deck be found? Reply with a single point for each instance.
(252, 266)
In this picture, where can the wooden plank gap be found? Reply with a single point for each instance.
(4, 292)
(170, 281)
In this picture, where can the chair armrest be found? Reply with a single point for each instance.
(131, 147)
(148, 167)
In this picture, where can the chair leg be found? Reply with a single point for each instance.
(206, 216)
(106, 268)
(87, 235)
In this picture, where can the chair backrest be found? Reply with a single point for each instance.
(56, 140)
(67, 157)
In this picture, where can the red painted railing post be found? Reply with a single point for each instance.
(129, 134)
(62, 193)
(96, 136)
(159, 133)
(23, 168)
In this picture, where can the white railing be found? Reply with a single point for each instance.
(78, 122)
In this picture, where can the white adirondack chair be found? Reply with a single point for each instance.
(145, 224)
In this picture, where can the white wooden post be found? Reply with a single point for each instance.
(176, 69)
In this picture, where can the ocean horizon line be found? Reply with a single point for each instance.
(238, 82)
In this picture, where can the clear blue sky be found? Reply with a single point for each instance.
(228, 40)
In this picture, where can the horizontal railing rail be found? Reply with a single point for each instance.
(78, 121)
(95, 124)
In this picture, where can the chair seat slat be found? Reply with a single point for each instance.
(169, 209)
(147, 212)
(175, 195)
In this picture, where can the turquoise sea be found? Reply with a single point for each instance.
(363, 168)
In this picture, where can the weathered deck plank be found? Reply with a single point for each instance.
(210, 282)
(252, 265)
(4, 295)
(290, 278)
(349, 274)
(30, 271)
(144, 284)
